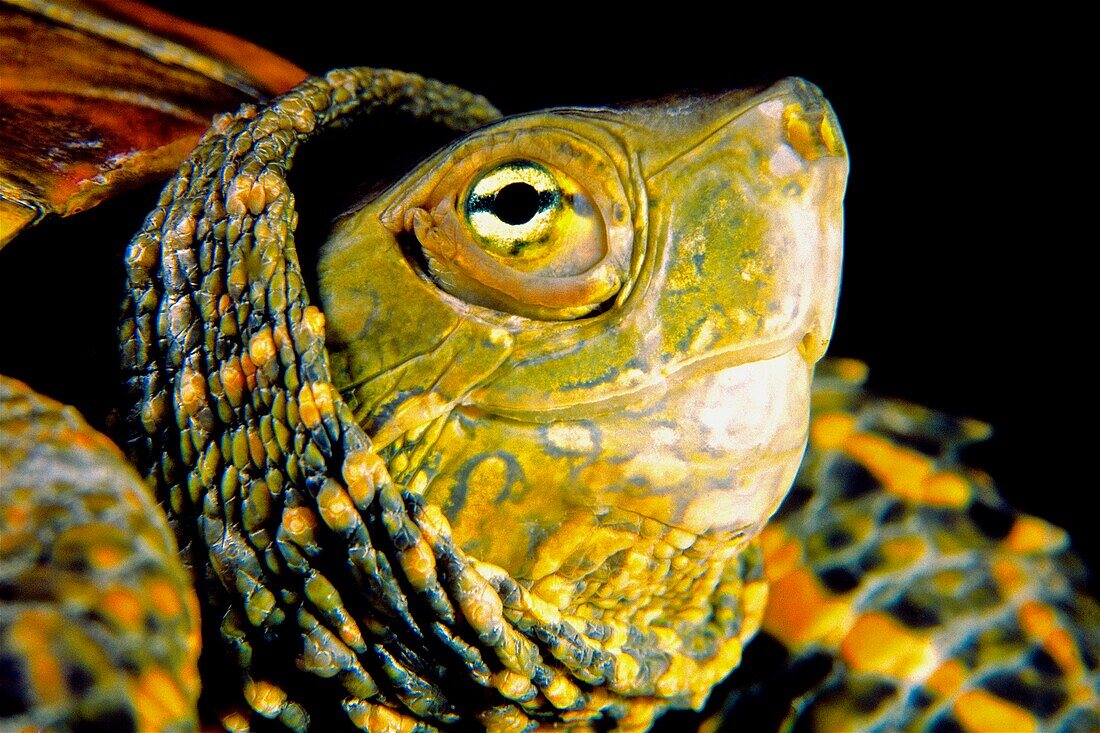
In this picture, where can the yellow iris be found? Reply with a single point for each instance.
(513, 207)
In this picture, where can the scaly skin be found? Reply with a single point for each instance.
(528, 489)
(907, 595)
(99, 623)
(309, 542)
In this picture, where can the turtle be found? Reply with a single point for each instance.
(333, 448)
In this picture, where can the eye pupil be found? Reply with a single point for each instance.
(516, 203)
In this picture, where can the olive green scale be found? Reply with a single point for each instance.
(335, 597)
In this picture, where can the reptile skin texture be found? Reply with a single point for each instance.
(893, 589)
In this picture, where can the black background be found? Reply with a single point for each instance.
(967, 257)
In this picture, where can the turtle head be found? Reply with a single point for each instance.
(577, 328)
(586, 338)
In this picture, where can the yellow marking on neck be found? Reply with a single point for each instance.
(878, 643)
(158, 701)
(1031, 534)
(906, 473)
(901, 471)
(106, 557)
(123, 606)
(980, 712)
(947, 678)
(30, 638)
(946, 489)
(830, 430)
(801, 612)
(782, 553)
(164, 598)
(1009, 575)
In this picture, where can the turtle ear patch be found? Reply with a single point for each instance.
(535, 224)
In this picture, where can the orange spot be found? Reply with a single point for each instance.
(946, 489)
(158, 700)
(800, 612)
(1037, 619)
(947, 678)
(511, 684)
(902, 551)
(30, 638)
(88, 440)
(261, 348)
(363, 470)
(1062, 648)
(124, 606)
(419, 564)
(281, 337)
(235, 722)
(368, 716)
(336, 508)
(781, 552)
(851, 370)
(264, 697)
(164, 598)
(1040, 622)
(1031, 534)
(350, 633)
(878, 643)
(106, 557)
(299, 523)
(307, 410)
(800, 135)
(314, 320)
(561, 693)
(233, 380)
(1009, 575)
(192, 391)
(15, 517)
(981, 711)
(322, 397)
(829, 430)
(901, 471)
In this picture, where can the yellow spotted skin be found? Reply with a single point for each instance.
(515, 470)
(98, 620)
(907, 595)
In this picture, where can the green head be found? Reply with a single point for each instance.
(579, 310)
(575, 329)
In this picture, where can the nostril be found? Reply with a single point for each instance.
(812, 347)
(811, 132)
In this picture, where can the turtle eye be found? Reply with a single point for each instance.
(512, 209)
(535, 225)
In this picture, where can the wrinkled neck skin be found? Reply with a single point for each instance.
(609, 421)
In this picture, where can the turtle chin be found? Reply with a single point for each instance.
(742, 431)
(711, 450)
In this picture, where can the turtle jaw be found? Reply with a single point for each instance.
(685, 401)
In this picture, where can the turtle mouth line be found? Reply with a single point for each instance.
(654, 386)
(731, 534)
